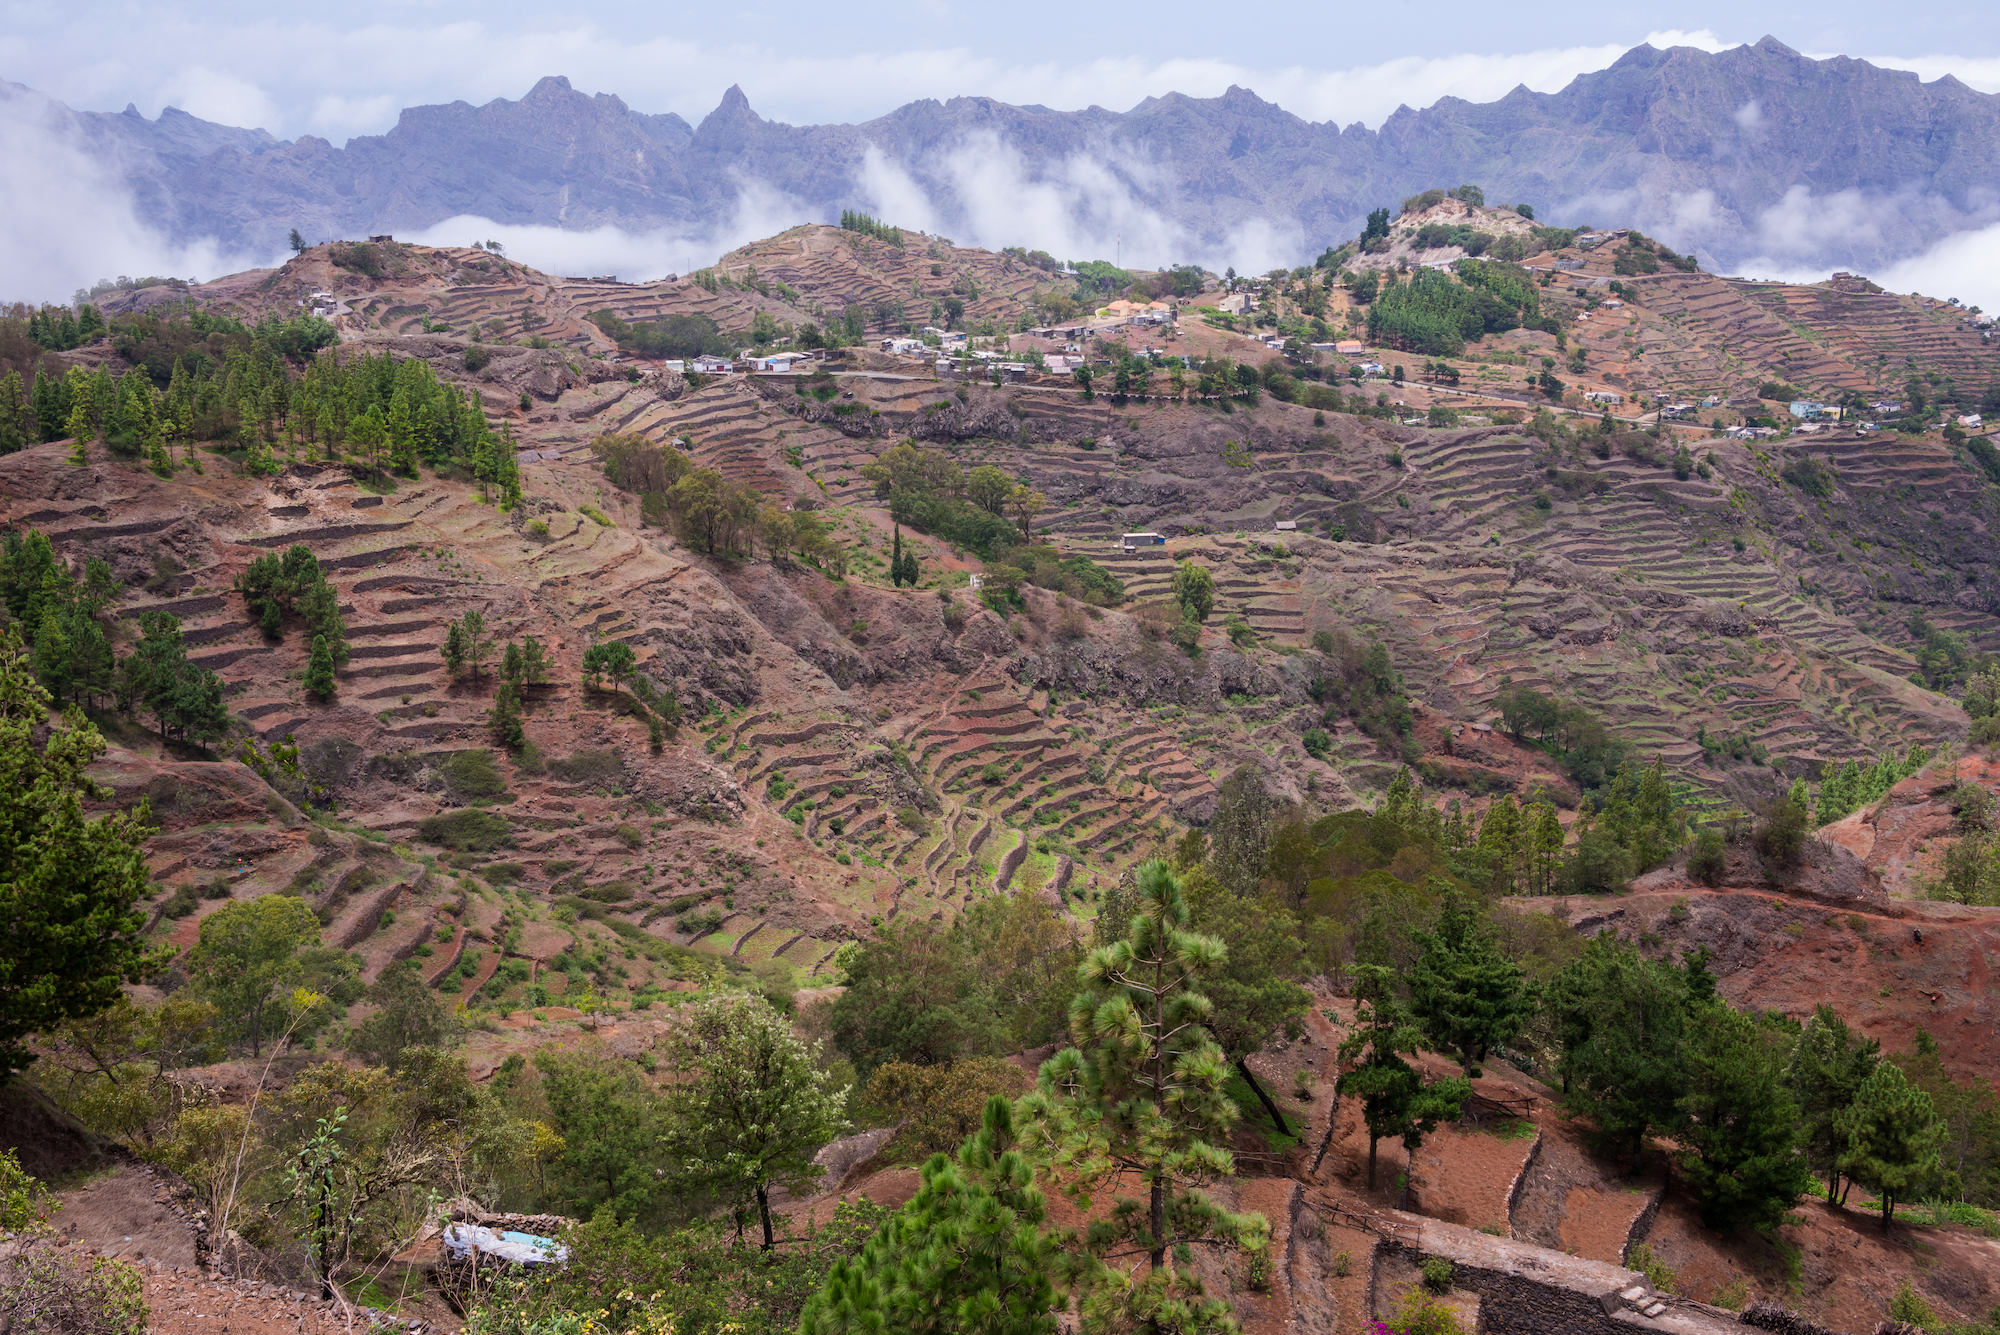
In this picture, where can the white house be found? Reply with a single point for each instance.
(707, 365)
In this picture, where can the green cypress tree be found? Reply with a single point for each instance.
(454, 649)
(506, 716)
(1739, 1128)
(1827, 1068)
(1469, 996)
(1623, 1019)
(1394, 1099)
(1893, 1134)
(319, 669)
(1500, 844)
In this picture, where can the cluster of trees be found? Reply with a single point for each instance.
(1853, 786)
(1360, 682)
(853, 221)
(1435, 314)
(708, 511)
(276, 587)
(676, 336)
(1946, 661)
(1138, 1107)
(64, 624)
(60, 328)
(1590, 755)
(1758, 1104)
(203, 377)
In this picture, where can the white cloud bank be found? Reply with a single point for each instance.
(70, 220)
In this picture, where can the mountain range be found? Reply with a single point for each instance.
(1754, 153)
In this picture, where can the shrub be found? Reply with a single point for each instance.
(1318, 743)
(589, 767)
(182, 902)
(472, 774)
(629, 836)
(50, 1288)
(477, 358)
(479, 831)
(1708, 860)
(1420, 1313)
(1657, 1272)
(939, 1106)
(1437, 1273)
(1781, 839)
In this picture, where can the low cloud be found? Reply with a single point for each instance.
(1094, 205)
(70, 220)
(632, 256)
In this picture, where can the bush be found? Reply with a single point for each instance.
(1781, 839)
(1708, 860)
(589, 767)
(940, 1106)
(629, 836)
(472, 774)
(477, 357)
(1437, 1273)
(51, 1289)
(1318, 743)
(478, 831)
(1420, 1313)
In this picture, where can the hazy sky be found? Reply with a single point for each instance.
(345, 70)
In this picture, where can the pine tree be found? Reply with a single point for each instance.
(1739, 1128)
(319, 669)
(534, 663)
(1469, 996)
(1893, 1134)
(967, 1253)
(507, 716)
(1543, 834)
(71, 883)
(454, 649)
(478, 644)
(1828, 1066)
(1138, 1100)
(1394, 1099)
(1623, 1019)
(1500, 844)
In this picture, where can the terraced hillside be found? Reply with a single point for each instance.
(854, 752)
(811, 273)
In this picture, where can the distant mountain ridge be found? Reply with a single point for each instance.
(1734, 154)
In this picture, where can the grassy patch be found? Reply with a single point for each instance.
(1514, 1128)
(1255, 1117)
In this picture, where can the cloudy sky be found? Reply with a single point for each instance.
(342, 71)
(347, 70)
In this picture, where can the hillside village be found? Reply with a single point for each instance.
(900, 614)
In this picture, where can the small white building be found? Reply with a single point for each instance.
(707, 365)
